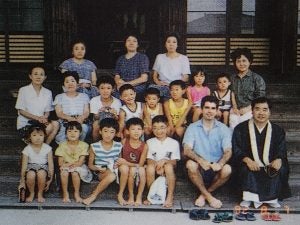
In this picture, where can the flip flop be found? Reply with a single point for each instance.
(241, 216)
(276, 217)
(266, 217)
(227, 217)
(218, 218)
(199, 214)
(250, 216)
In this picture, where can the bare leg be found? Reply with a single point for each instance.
(51, 131)
(124, 170)
(142, 174)
(131, 185)
(226, 117)
(64, 177)
(76, 186)
(171, 179)
(196, 114)
(30, 182)
(41, 179)
(180, 131)
(221, 178)
(150, 176)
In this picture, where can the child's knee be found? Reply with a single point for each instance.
(30, 174)
(169, 169)
(150, 170)
(124, 169)
(75, 175)
(41, 174)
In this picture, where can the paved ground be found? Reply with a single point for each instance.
(109, 217)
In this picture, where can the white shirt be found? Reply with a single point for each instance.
(96, 104)
(40, 157)
(36, 104)
(166, 149)
(170, 69)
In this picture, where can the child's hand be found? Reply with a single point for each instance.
(22, 185)
(236, 111)
(120, 162)
(160, 164)
(80, 119)
(47, 185)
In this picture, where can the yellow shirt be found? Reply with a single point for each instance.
(176, 112)
(72, 156)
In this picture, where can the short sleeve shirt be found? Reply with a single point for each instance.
(209, 145)
(40, 157)
(166, 149)
(72, 156)
(96, 104)
(72, 106)
(105, 157)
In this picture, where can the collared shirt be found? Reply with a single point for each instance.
(247, 88)
(211, 144)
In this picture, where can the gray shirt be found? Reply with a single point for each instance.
(247, 88)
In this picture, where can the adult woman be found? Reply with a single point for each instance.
(170, 66)
(71, 106)
(132, 68)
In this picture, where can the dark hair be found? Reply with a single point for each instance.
(106, 80)
(160, 119)
(125, 87)
(109, 123)
(209, 98)
(136, 36)
(172, 34)
(237, 53)
(180, 83)
(70, 74)
(261, 100)
(152, 91)
(73, 125)
(36, 66)
(77, 41)
(134, 121)
(35, 127)
(223, 75)
(195, 73)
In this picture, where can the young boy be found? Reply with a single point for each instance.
(131, 165)
(131, 108)
(105, 105)
(177, 108)
(225, 96)
(163, 154)
(151, 108)
(103, 156)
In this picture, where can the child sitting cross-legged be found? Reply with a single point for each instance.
(163, 154)
(71, 157)
(103, 156)
(131, 165)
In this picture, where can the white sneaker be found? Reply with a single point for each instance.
(245, 204)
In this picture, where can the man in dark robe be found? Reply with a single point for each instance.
(259, 151)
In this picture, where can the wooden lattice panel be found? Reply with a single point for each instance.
(2, 49)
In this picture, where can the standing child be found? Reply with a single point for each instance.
(105, 105)
(71, 157)
(37, 163)
(151, 108)
(34, 104)
(177, 108)
(163, 154)
(103, 156)
(131, 108)
(225, 96)
(197, 91)
(85, 68)
(131, 165)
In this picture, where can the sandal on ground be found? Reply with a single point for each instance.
(266, 217)
(218, 218)
(199, 214)
(241, 216)
(276, 217)
(250, 216)
(227, 217)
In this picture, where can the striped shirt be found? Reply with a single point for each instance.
(105, 157)
(72, 106)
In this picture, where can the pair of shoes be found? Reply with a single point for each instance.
(223, 217)
(245, 216)
(199, 214)
(271, 216)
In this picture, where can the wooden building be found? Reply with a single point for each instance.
(41, 31)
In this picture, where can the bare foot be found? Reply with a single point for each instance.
(30, 198)
(66, 200)
(77, 197)
(121, 200)
(138, 201)
(40, 198)
(168, 203)
(147, 202)
(214, 203)
(130, 200)
(89, 200)
(200, 201)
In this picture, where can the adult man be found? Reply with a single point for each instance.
(207, 144)
(260, 152)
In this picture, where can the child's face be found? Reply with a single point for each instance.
(152, 100)
(108, 134)
(131, 44)
(199, 78)
(223, 83)
(37, 75)
(171, 44)
(176, 92)
(105, 90)
(135, 131)
(73, 134)
(128, 96)
(79, 51)
(70, 84)
(37, 137)
(242, 64)
(159, 130)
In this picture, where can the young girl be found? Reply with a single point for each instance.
(226, 97)
(37, 163)
(71, 156)
(151, 108)
(85, 68)
(197, 91)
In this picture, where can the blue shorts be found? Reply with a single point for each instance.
(208, 176)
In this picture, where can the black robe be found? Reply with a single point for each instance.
(259, 182)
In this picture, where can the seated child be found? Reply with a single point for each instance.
(34, 104)
(131, 165)
(197, 91)
(151, 108)
(37, 163)
(225, 96)
(71, 157)
(103, 156)
(163, 154)
(105, 105)
(177, 108)
(131, 108)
